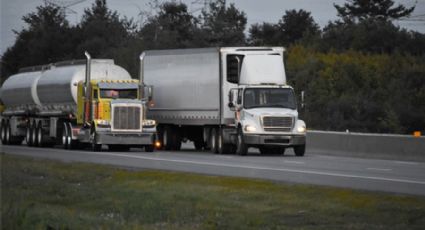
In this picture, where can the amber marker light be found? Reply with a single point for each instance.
(417, 133)
(157, 144)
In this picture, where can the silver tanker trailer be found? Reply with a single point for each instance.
(75, 103)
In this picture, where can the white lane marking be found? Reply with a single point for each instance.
(406, 162)
(379, 169)
(293, 162)
(262, 168)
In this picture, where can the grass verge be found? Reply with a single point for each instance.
(43, 194)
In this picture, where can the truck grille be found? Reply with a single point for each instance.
(126, 118)
(278, 124)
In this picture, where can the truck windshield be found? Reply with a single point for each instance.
(269, 97)
(118, 93)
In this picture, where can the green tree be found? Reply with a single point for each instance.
(222, 25)
(264, 34)
(376, 9)
(296, 25)
(101, 29)
(172, 27)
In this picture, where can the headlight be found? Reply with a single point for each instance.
(149, 123)
(301, 129)
(250, 128)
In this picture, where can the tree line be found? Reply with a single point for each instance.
(360, 72)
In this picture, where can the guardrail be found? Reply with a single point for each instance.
(365, 145)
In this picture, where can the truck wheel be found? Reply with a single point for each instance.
(166, 138)
(3, 132)
(241, 147)
(72, 144)
(299, 150)
(95, 147)
(213, 140)
(28, 137)
(39, 133)
(222, 147)
(34, 134)
(7, 133)
(64, 136)
(176, 141)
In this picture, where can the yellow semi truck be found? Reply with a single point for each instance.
(76, 104)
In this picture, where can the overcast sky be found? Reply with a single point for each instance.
(257, 11)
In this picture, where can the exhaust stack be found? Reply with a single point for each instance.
(87, 106)
(141, 77)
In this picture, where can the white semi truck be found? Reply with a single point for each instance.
(76, 103)
(224, 99)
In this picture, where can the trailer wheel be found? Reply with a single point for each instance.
(241, 147)
(65, 142)
(34, 134)
(213, 140)
(299, 150)
(7, 133)
(39, 133)
(28, 137)
(3, 132)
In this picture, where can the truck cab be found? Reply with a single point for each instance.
(112, 109)
(264, 106)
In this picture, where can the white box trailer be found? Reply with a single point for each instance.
(224, 99)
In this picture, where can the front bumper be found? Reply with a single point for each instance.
(274, 140)
(110, 138)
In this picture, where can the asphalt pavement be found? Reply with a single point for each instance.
(404, 177)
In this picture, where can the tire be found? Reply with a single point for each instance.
(167, 139)
(223, 148)
(3, 132)
(34, 134)
(65, 142)
(95, 147)
(28, 135)
(177, 140)
(39, 135)
(7, 134)
(241, 147)
(72, 144)
(299, 150)
(149, 148)
(213, 140)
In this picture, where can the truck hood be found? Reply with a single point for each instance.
(279, 112)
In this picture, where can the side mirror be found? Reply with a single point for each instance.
(146, 92)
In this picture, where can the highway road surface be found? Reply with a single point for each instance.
(365, 174)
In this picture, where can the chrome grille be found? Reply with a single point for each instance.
(126, 118)
(278, 124)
